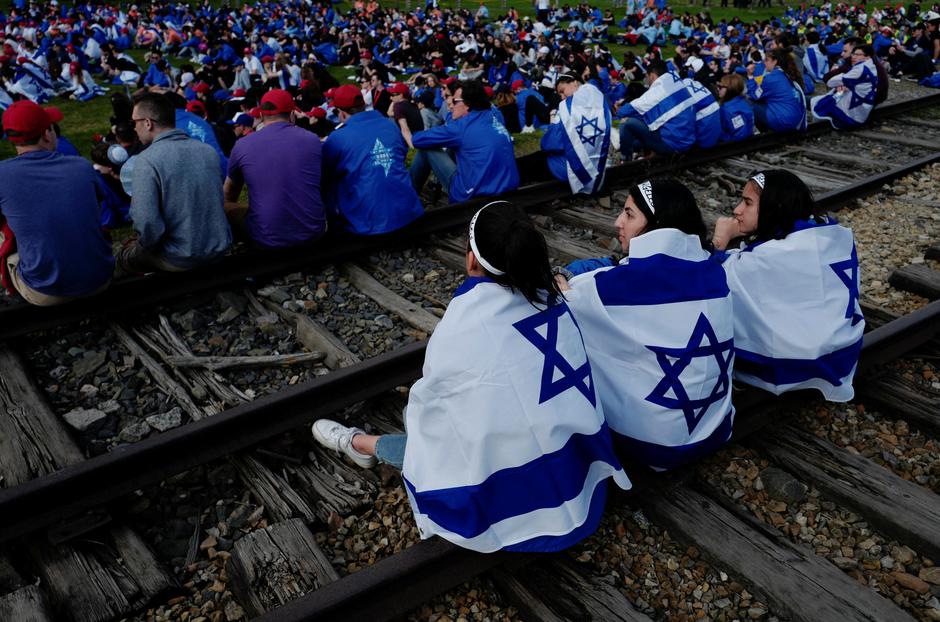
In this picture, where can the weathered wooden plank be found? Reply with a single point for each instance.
(315, 336)
(273, 566)
(27, 604)
(798, 584)
(910, 141)
(601, 224)
(918, 279)
(892, 392)
(565, 249)
(899, 508)
(410, 312)
(216, 363)
(151, 578)
(451, 259)
(838, 158)
(933, 252)
(556, 590)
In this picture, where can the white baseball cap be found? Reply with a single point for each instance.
(931, 16)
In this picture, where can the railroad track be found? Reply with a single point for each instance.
(35, 505)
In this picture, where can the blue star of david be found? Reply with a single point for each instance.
(856, 99)
(847, 271)
(589, 123)
(381, 156)
(579, 378)
(673, 362)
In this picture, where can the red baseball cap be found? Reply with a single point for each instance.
(329, 93)
(267, 58)
(277, 101)
(438, 63)
(24, 121)
(398, 88)
(239, 93)
(246, 51)
(518, 84)
(614, 74)
(365, 54)
(449, 80)
(489, 91)
(196, 106)
(201, 87)
(317, 112)
(347, 96)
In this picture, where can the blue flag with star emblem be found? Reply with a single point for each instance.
(659, 335)
(586, 119)
(798, 322)
(507, 448)
(851, 99)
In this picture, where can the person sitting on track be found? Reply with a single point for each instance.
(506, 448)
(367, 187)
(282, 165)
(485, 162)
(777, 96)
(52, 249)
(177, 203)
(661, 120)
(737, 116)
(532, 109)
(852, 97)
(707, 114)
(658, 330)
(795, 286)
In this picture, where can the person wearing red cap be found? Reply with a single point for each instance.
(83, 85)
(52, 251)
(367, 190)
(281, 164)
(381, 98)
(485, 162)
(372, 67)
(176, 195)
(404, 111)
(533, 111)
(318, 123)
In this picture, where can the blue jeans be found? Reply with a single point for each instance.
(427, 160)
(760, 116)
(635, 136)
(390, 449)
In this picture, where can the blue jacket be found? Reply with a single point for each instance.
(707, 117)
(785, 107)
(198, 128)
(366, 185)
(155, 77)
(521, 98)
(666, 107)
(737, 120)
(486, 164)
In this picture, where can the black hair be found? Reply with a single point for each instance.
(158, 107)
(675, 207)
(658, 67)
(813, 37)
(474, 96)
(784, 200)
(565, 78)
(508, 241)
(866, 49)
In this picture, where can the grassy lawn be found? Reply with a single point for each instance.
(84, 119)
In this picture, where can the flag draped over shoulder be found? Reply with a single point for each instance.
(586, 119)
(815, 63)
(659, 334)
(851, 106)
(798, 322)
(506, 446)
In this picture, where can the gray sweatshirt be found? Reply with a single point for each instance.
(177, 202)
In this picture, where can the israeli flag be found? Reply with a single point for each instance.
(658, 330)
(850, 107)
(815, 63)
(798, 322)
(665, 98)
(5, 100)
(33, 83)
(586, 119)
(507, 448)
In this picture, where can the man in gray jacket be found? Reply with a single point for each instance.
(177, 202)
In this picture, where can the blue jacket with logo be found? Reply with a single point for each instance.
(737, 120)
(366, 185)
(486, 164)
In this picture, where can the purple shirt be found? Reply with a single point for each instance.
(281, 165)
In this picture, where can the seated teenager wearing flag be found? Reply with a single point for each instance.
(852, 97)
(485, 163)
(575, 147)
(506, 447)
(815, 59)
(658, 330)
(737, 117)
(661, 120)
(794, 282)
(777, 96)
(707, 115)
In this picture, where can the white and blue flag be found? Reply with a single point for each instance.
(659, 334)
(33, 83)
(5, 100)
(506, 447)
(798, 322)
(665, 99)
(586, 119)
(815, 63)
(849, 106)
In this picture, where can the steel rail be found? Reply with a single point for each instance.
(39, 503)
(139, 293)
(402, 582)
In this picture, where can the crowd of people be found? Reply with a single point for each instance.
(540, 384)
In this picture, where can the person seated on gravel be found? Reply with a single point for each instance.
(658, 331)
(777, 96)
(476, 138)
(661, 120)
(506, 448)
(852, 97)
(366, 185)
(795, 285)
(737, 117)
(52, 249)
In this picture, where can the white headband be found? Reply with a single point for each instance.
(759, 180)
(473, 243)
(646, 189)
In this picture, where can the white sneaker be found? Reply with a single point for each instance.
(553, 116)
(338, 437)
(528, 130)
(615, 138)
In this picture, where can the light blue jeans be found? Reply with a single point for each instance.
(390, 449)
(427, 160)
